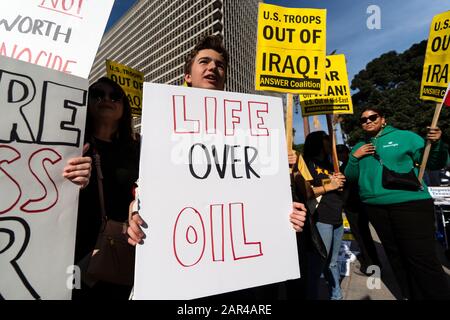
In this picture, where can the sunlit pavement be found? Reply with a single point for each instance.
(357, 286)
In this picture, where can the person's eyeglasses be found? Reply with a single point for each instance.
(372, 118)
(99, 95)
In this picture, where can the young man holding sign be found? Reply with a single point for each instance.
(206, 67)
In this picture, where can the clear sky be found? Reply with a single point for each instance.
(119, 8)
(403, 23)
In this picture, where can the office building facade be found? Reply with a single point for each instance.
(155, 36)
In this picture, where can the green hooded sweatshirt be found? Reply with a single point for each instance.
(400, 150)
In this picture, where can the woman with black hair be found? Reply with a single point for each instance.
(328, 213)
(402, 216)
(109, 133)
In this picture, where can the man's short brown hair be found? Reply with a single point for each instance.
(213, 42)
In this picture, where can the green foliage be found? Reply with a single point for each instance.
(391, 82)
(298, 148)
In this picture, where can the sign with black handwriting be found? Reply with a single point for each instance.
(41, 127)
(215, 191)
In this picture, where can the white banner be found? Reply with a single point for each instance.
(58, 34)
(439, 192)
(215, 192)
(41, 127)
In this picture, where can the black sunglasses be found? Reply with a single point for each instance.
(100, 94)
(372, 118)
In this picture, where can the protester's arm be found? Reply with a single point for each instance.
(298, 216)
(292, 157)
(352, 169)
(135, 224)
(78, 170)
(318, 188)
(336, 182)
(438, 157)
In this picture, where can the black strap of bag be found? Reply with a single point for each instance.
(398, 181)
(113, 258)
(101, 196)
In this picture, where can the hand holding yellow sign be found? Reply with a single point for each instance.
(291, 49)
(435, 76)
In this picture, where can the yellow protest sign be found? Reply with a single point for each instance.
(337, 98)
(436, 74)
(131, 82)
(290, 55)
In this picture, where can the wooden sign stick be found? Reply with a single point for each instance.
(426, 152)
(289, 121)
(332, 135)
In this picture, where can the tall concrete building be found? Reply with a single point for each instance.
(155, 36)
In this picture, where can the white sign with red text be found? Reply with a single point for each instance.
(58, 34)
(215, 191)
(41, 127)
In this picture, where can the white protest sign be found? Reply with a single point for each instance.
(41, 127)
(58, 34)
(215, 191)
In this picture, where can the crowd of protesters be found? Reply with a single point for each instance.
(403, 219)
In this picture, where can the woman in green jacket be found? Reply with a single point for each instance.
(404, 219)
